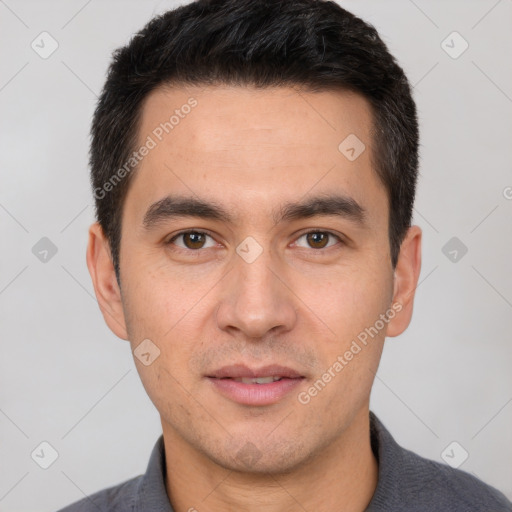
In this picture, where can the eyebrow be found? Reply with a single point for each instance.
(171, 207)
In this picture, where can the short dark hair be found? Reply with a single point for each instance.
(313, 44)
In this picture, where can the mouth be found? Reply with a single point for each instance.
(256, 387)
(256, 380)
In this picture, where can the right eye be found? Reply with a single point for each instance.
(192, 240)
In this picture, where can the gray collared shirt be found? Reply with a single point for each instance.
(407, 483)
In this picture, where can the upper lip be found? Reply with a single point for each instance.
(238, 371)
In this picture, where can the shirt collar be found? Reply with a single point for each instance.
(151, 494)
(390, 458)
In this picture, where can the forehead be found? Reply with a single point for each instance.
(246, 146)
(274, 117)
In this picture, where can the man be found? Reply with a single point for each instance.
(254, 165)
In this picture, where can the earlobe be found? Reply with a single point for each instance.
(406, 277)
(106, 288)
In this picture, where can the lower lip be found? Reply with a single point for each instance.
(255, 394)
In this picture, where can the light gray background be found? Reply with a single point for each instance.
(66, 379)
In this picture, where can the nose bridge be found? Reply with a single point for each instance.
(256, 275)
(255, 299)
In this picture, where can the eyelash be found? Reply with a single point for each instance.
(196, 231)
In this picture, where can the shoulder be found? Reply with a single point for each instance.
(409, 482)
(118, 498)
(445, 488)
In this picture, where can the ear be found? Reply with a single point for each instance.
(108, 294)
(407, 272)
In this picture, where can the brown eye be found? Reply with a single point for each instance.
(319, 239)
(192, 240)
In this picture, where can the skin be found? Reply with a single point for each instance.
(297, 305)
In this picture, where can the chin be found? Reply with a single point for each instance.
(261, 457)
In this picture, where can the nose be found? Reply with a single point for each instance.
(256, 298)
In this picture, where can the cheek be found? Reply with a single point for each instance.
(170, 311)
(350, 357)
(153, 314)
(158, 302)
(346, 302)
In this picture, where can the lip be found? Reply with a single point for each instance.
(237, 371)
(254, 394)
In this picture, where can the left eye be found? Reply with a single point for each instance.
(319, 239)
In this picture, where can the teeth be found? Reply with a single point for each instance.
(257, 380)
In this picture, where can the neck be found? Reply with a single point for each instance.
(342, 476)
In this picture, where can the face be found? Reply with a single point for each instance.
(281, 269)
